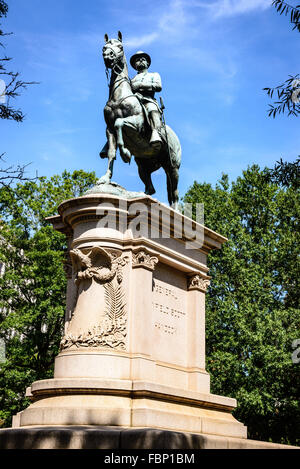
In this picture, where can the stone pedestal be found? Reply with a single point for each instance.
(133, 353)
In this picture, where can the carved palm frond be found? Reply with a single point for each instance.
(115, 304)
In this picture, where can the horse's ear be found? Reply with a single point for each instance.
(106, 37)
(120, 36)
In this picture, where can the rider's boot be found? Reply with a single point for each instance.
(155, 121)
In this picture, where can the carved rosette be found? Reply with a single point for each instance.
(198, 283)
(105, 268)
(142, 259)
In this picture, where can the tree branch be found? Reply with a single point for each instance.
(10, 173)
(288, 94)
(283, 7)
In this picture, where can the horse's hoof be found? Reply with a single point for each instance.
(103, 180)
(126, 156)
(150, 191)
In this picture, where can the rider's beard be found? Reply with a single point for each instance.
(142, 65)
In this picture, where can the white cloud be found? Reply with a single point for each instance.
(138, 42)
(194, 133)
(176, 17)
(180, 24)
(226, 8)
(171, 23)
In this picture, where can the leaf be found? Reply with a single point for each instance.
(114, 301)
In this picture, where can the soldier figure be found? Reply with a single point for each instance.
(144, 85)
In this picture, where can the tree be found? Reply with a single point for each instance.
(11, 86)
(285, 173)
(253, 311)
(288, 101)
(32, 289)
(287, 94)
(14, 84)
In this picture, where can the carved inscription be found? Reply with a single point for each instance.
(165, 328)
(169, 315)
(165, 291)
(167, 309)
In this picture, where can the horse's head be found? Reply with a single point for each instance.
(113, 52)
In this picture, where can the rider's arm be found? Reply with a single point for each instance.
(156, 82)
(151, 83)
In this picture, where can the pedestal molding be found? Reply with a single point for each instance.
(131, 389)
(166, 255)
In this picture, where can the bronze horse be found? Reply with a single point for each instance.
(129, 130)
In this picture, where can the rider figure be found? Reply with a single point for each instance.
(144, 85)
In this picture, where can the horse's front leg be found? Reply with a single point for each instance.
(124, 152)
(134, 121)
(111, 155)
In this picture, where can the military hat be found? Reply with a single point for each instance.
(139, 53)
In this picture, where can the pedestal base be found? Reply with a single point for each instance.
(114, 438)
(126, 403)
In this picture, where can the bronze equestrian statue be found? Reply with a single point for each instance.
(134, 121)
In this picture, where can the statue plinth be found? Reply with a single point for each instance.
(133, 353)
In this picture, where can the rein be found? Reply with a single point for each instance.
(129, 96)
(119, 81)
(116, 87)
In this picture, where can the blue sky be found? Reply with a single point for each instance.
(214, 58)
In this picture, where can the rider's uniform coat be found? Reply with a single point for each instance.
(152, 83)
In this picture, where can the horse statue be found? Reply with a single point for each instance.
(128, 128)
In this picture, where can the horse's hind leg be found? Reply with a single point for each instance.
(172, 187)
(145, 175)
(111, 149)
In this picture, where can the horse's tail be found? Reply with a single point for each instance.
(174, 148)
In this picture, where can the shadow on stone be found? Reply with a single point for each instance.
(158, 439)
(71, 437)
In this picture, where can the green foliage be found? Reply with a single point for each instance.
(283, 8)
(32, 289)
(287, 92)
(13, 86)
(3, 8)
(288, 101)
(252, 304)
(287, 95)
(285, 173)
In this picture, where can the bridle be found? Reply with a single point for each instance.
(117, 69)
